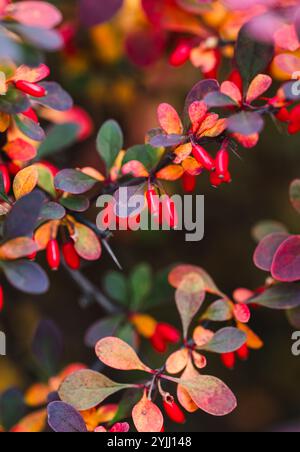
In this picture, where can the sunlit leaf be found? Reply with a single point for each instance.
(147, 417)
(226, 340)
(177, 362)
(169, 120)
(170, 173)
(115, 353)
(87, 244)
(202, 336)
(211, 395)
(25, 181)
(17, 248)
(86, 389)
(63, 418)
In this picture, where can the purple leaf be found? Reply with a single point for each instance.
(166, 141)
(47, 347)
(56, 98)
(102, 328)
(265, 252)
(246, 123)
(63, 418)
(286, 263)
(73, 181)
(95, 12)
(218, 99)
(199, 91)
(226, 340)
(280, 297)
(28, 277)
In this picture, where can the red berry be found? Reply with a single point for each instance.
(158, 343)
(243, 353)
(180, 55)
(222, 163)
(283, 115)
(170, 215)
(53, 254)
(189, 182)
(13, 168)
(215, 180)
(168, 332)
(30, 88)
(227, 178)
(1, 298)
(31, 114)
(153, 202)
(174, 412)
(71, 257)
(204, 158)
(228, 360)
(6, 178)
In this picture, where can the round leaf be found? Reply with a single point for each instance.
(63, 418)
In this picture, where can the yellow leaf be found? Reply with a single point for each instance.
(25, 181)
(93, 173)
(37, 395)
(33, 423)
(4, 122)
(144, 324)
(170, 173)
(253, 341)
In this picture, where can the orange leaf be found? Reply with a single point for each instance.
(147, 417)
(258, 86)
(192, 166)
(17, 248)
(4, 122)
(32, 75)
(93, 173)
(204, 59)
(170, 173)
(44, 234)
(177, 362)
(33, 423)
(102, 415)
(202, 336)
(169, 119)
(217, 129)
(182, 152)
(135, 168)
(87, 244)
(117, 354)
(20, 150)
(231, 90)
(178, 274)
(25, 181)
(248, 141)
(182, 393)
(209, 122)
(37, 395)
(253, 341)
(144, 324)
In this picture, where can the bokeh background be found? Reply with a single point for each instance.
(103, 80)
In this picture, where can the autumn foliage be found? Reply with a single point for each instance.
(246, 56)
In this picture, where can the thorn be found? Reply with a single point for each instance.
(111, 253)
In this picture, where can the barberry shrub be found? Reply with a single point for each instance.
(247, 58)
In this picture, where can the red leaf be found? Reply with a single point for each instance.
(286, 264)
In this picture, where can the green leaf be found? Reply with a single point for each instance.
(128, 334)
(86, 389)
(115, 285)
(73, 182)
(76, 203)
(141, 281)
(110, 142)
(52, 211)
(12, 408)
(219, 311)
(226, 340)
(29, 128)
(252, 57)
(144, 153)
(281, 297)
(58, 138)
